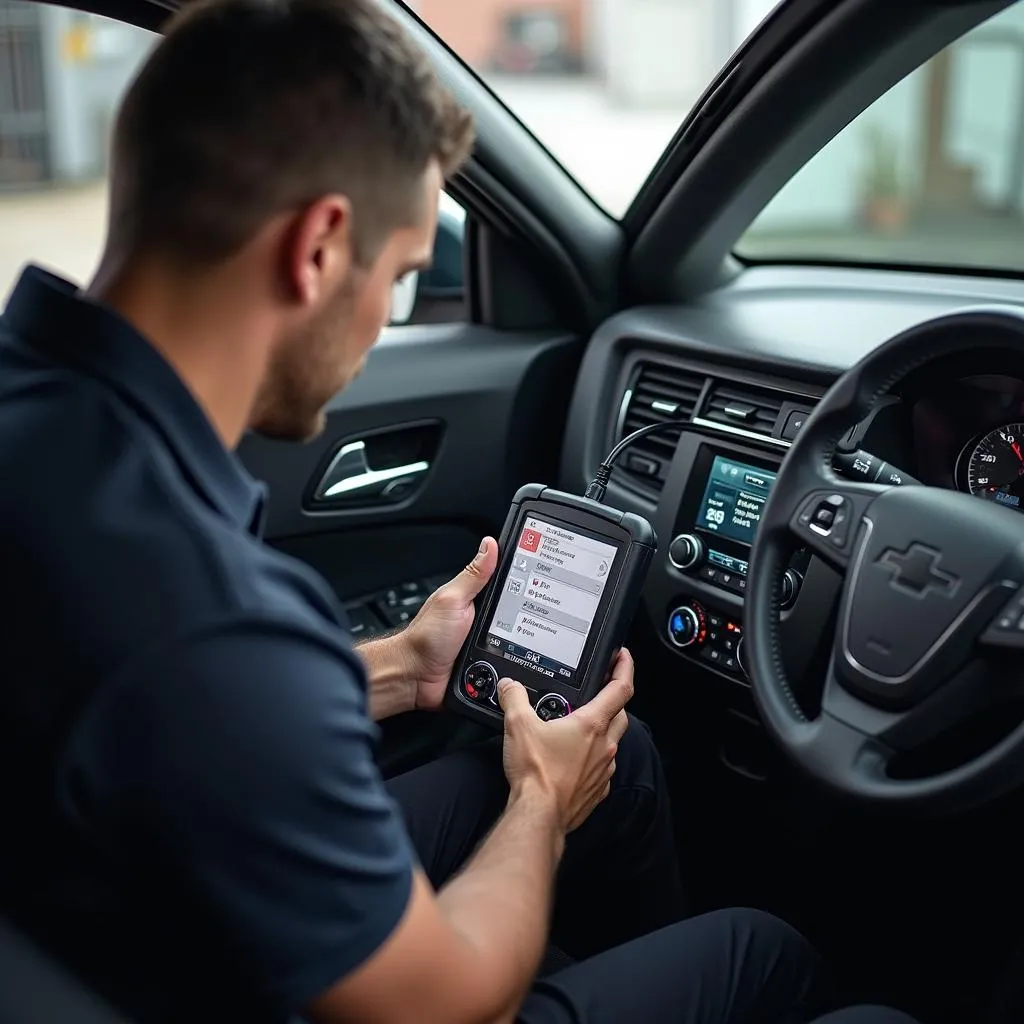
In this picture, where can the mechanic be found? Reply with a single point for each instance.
(194, 818)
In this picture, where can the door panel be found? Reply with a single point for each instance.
(485, 411)
(500, 399)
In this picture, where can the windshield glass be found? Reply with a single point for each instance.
(604, 84)
(931, 174)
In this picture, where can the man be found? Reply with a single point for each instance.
(194, 820)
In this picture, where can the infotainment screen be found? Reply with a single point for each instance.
(550, 596)
(733, 499)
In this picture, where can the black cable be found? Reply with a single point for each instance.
(597, 487)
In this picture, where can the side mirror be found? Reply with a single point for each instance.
(443, 282)
(403, 297)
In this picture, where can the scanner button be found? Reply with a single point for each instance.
(480, 683)
(552, 706)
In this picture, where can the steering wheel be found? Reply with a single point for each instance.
(932, 606)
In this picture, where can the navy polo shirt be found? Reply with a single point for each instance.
(191, 812)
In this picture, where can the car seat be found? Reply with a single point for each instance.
(35, 990)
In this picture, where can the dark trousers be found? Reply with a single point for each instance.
(619, 903)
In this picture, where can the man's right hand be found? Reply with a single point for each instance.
(570, 760)
(469, 953)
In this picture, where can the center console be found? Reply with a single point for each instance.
(709, 515)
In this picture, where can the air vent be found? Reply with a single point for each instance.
(744, 406)
(657, 393)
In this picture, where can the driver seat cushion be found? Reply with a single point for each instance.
(36, 990)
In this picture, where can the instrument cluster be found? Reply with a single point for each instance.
(968, 434)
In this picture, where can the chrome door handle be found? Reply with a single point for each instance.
(349, 475)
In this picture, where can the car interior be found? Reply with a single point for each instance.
(806, 386)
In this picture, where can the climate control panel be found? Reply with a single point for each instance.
(711, 637)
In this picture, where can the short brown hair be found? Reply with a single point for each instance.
(248, 108)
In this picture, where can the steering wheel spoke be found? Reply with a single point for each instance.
(857, 742)
(827, 519)
(852, 737)
(839, 754)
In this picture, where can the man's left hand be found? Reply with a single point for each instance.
(435, 636)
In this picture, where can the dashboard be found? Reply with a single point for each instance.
(744, 368)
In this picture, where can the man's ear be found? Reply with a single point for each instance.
(320, 248)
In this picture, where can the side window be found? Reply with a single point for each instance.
(62, 74)
(932, 173)
(438, 294)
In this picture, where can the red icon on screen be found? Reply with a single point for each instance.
(530, 540)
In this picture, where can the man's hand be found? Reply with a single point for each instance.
(570, 760)
(433, 639)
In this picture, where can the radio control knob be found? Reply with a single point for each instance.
(791, 582)
(686, 551)
(686, 625)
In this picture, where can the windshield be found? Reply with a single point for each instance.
(931, 174)
(603, 84)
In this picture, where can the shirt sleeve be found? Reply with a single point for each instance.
(251, 764)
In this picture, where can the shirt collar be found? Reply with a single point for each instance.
(52, 315)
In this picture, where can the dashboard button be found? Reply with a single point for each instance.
(686, 551)
(687, 625)
(734, 583)
(552, 706)
(398, 616)
(709, 574)
(794, 421)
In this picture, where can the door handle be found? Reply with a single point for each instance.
(350, 476)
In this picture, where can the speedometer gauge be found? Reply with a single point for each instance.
(994, 465)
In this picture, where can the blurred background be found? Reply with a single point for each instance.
(932, 173)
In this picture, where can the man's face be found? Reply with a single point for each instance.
(320, 354)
